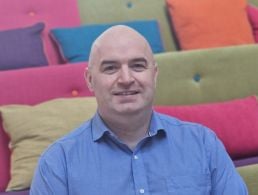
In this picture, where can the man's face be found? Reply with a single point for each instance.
(123, 77)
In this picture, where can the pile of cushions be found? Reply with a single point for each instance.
(197, 24)
(33, 128)
(23, 47)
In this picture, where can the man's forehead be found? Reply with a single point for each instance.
(129, 60)
(118, 41)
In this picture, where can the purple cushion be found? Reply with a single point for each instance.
(22, 47)
(15, 193)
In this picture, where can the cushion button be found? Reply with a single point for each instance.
(32, 13)
(129, 4)
(75, 93)
(197, 77)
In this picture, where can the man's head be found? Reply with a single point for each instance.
(122, 72)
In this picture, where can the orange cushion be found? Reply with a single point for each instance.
(210, 23)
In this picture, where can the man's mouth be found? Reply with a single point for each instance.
(125, 93)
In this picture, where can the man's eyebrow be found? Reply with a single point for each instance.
(139, 60)
(108, 62)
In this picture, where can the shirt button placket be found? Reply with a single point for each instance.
(139, 174)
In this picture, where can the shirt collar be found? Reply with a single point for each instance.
(155, 124)
(99, 128)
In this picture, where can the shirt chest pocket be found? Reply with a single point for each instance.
(190, 184)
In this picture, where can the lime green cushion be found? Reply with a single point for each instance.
(254, 2)
(33, 128)
(210, 75)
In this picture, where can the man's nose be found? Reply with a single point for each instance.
(125, 76)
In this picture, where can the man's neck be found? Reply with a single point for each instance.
(129, 128)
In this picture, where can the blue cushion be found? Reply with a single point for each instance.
(22, 47)
(75, 43)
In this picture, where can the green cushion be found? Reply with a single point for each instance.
(250, 175)
(254, 2)
(110, 11)
(209, 75)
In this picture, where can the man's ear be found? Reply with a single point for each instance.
(156, 72)
(88, 78)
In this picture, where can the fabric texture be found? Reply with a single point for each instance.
(22, 48)
(209, 23)
(235, 122)
(252, 12)
(75, 43)
(33, 128)
(176, 158)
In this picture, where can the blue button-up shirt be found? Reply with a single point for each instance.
(177, 158)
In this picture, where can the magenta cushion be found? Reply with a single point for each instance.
(235, 122)
(252, 12)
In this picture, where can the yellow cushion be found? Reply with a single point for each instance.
(250, 175)
(33, 128)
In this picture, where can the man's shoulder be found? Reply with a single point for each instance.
(71, 140)
(170, 120)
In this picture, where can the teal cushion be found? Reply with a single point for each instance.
(75, 43)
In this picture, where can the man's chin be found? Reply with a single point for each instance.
(128, 109)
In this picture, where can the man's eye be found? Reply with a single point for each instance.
(138, 67)
(109, 69)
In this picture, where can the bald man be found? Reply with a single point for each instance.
(127, 148)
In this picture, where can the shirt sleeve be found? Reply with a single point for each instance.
(225, 178)
(50, 176)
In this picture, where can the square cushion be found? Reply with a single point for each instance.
(75, 43)
(235, 122)
(22, 47)
(252, 12)
(210, 23)
(32, 128)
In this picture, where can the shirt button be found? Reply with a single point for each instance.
(141, 191)
(135, 157)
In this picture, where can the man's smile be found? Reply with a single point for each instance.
(126, 93)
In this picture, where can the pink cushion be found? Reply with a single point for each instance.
(32, 86)
(252, 12)
(57, 13)
(235, 122)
